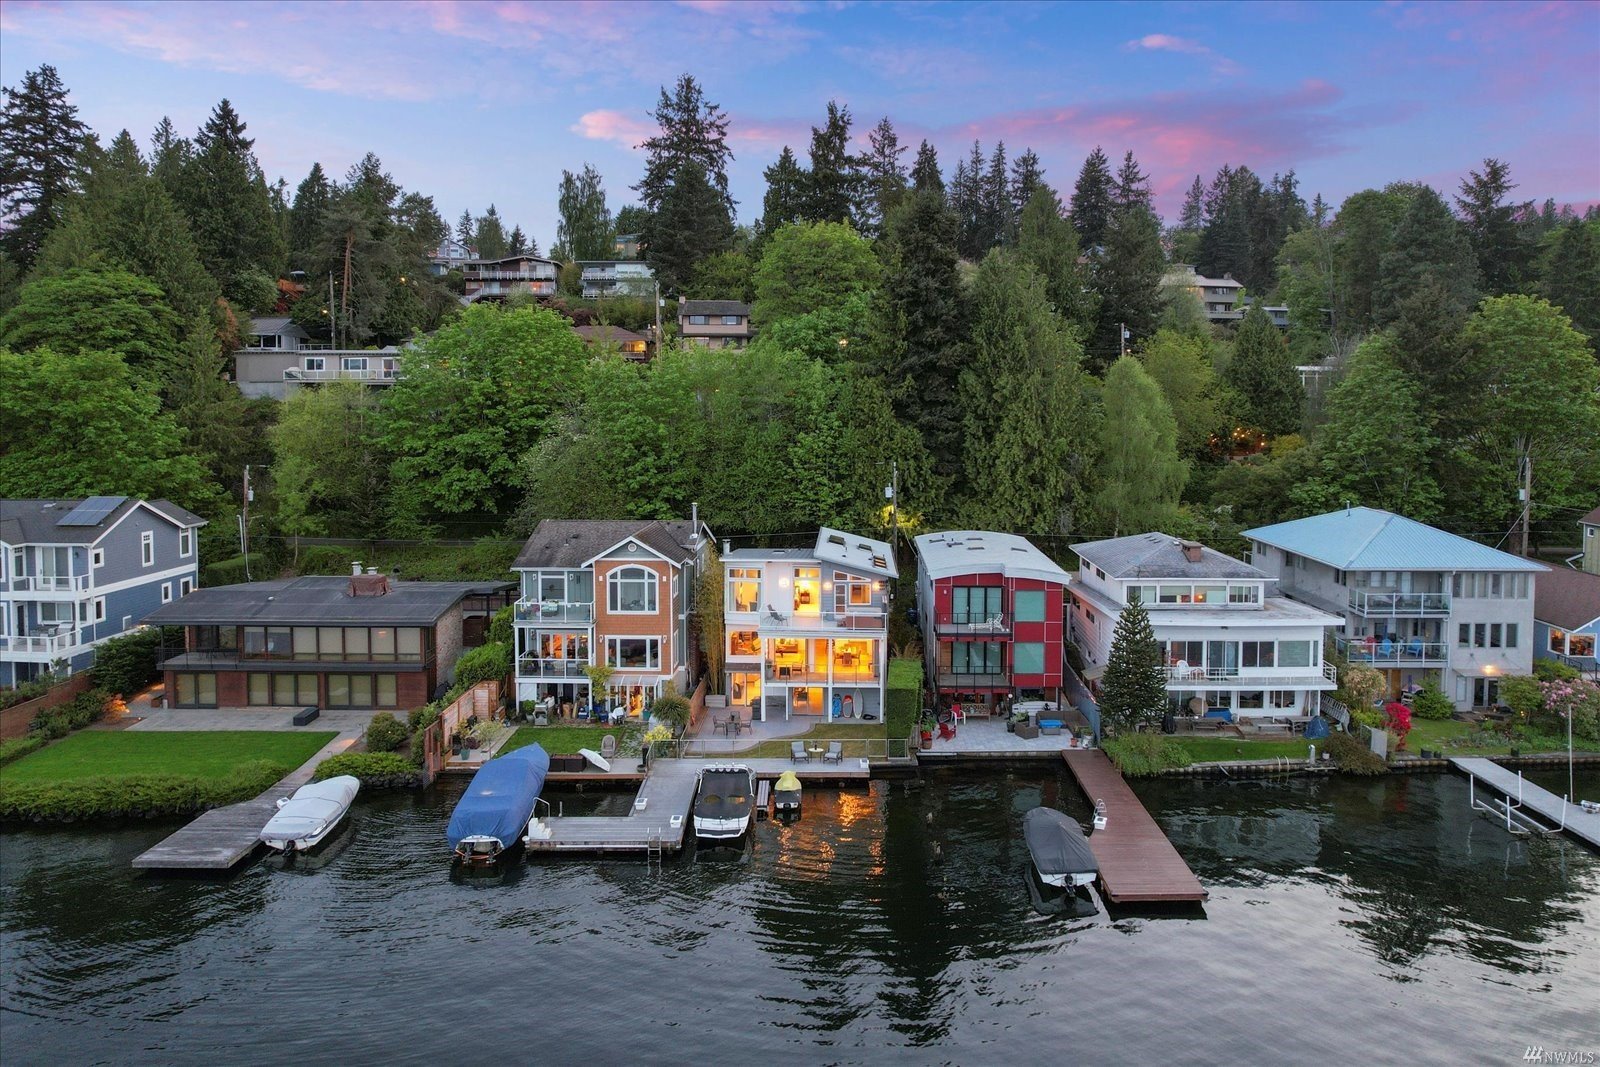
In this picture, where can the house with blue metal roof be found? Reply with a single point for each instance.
(74, 573)
(1418, 603)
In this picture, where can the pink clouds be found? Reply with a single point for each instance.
(1166, 42)
(614, 126)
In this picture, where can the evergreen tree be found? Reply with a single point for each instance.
(885, 175)
(925, 176)
(922, 329)
(831, 185)
(583, 230)
(308, 216)
(169, 155)
(692, 130)
(1274, 212)
(1046, 240)
(220, 428)
(691, 224)
(1264, 376)
(1127, 277)
(94, 310)
(1375, 448)
(40, 136)
(998, 226)
(1092, 200)
(1133, 186)
(1185, 237)
(1025, 439)
(1224, 250)
(784, 201)
(1026, 177)
(1133, 689)
(1569, 276)
(518, 243)
(1428, 246)
(966, 200)
(1363, 232)
(229, 208)
(467, 228)
(490, 236)
(1491, 224)
(1137, 465)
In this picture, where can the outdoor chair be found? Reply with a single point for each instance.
(835, 753)
(608, 745)
(798, 753)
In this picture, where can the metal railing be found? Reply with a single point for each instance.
(961, 679)
(537, 275)
(549, 667)
(777, 672)
(1399, 603)
(39, 644)
(335, 374)
(1390, 652)
(846, 621)
(50, 583)
(1252, 675)
(997, 622)
(310, 659)
(553, 611)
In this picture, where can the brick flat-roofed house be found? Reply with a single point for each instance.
(359, 641)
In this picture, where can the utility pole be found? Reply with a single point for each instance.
(333, 316)
(1526, 493)
(244, 524)
(1122, 339)
(894, 504)
(658, 320)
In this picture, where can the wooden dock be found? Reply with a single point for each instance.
(1554, 811)
(660, 825)
(1138, 865)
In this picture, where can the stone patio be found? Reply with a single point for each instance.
(990, 737)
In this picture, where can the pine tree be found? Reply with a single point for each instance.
(1137, 464)
(229, 208)
(1570, 276)
(692, 130)
(966, 200)
(1133, 689)
(1185, 237)
(1491, 224)
(1127, 276)
(691, 224)
(999, 225)
(490, 235)
(784, 201)
(925, 176)
(1092, 200)
(466, 228)
(832, 182)
(583, 229)
(40, 136)
(518, 242)
(169, 155)
(1274, 212)
(307, 217)
(1263, 375)
(1046, 240)
(1133, 186)
(1225, 241)
(885, 175)
(1428, 246)
(1026, 177)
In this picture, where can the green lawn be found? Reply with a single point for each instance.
(1224, 749)
(208, 754)
(779, 748)
(566, 740)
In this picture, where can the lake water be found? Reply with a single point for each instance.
(1348, 920)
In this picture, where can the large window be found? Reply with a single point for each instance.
(1027, 605)
(1295, 653)
(282, 690)
(632, 591)
(1189, 654)
(333, 644)
(634, 653)
(196, 690)
(362, 691)
(744, 643)
(1257, 654)
(1027, 657)
(972, 657)
(975, 603)
(744, 588)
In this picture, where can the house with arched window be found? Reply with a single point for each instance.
(617, 592)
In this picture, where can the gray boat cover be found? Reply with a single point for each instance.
(724, 794)
(1057, 843)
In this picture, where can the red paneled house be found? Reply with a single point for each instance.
(993, 617)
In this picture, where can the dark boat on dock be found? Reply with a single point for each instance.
(493, 814)
(725, 802)
(1060, 851)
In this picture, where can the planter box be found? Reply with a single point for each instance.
(1027, 732)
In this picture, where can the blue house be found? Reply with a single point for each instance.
(1566, 618)
(76, 572)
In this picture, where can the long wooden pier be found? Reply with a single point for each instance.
(1138, 865)
(1527, 797)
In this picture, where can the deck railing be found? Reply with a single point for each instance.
(551, 611)
(50, 583)
(1251, 675)
(547, 667)
(1392, 653)
(872, 749)
(39, 644)
(1426, 604)
(819, 675)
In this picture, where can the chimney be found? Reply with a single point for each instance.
(694, 524)
(727, 546)
(372, 570)
(1191, 551)
(355, 568)
(369, 584)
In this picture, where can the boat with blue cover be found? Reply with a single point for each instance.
(493, 814)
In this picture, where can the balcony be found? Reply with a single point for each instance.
(553, 612)
(799, 674)
(962, 623)
(177, 657)
(40, 644)
(774, 621)
(1412, 652)
(538, 667)
(1239, 678)
(376, 375)
(948, 679)
(50, 583)
(1411, 605)
(543, 275)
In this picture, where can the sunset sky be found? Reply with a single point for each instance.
(480, 102)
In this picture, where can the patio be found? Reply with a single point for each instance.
(989, 737)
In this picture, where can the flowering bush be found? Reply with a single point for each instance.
(1397, 720)
(1579, 698)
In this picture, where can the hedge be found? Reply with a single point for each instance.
(1352, 757)
(1144, 755)
(28, 690)
(75, 714)
(133, 796)
(385, 733)
(486, 663)
(903, 703)
(377, 770)
(128, 663)
(17, 747)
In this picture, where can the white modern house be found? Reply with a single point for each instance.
(1413, 601)
(1226, 640)
(808, 630)
(278, 358)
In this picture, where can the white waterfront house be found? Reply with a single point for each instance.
(1413, 601)
(1226, 640)
(808, 629)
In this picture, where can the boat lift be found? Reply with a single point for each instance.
(1518, 820)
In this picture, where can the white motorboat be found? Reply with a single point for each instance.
(1060, 851)
(304, 820)
(725, 802)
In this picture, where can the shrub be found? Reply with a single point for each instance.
(15, 748)
(499, 632)
(1143, 755)
(223, 572)
(377, 770)
(486, 663)
(1431, 703)
(385, 733)
(424, 715)
(673, 709)
(421, 719)
(28, 690)
(1352, 757)
(132, 796)
(127, 664)
(1553, 670)
(75, 714)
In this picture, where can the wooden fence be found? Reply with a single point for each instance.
(482, 701)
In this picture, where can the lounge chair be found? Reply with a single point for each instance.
(798, 753)
(835, 753)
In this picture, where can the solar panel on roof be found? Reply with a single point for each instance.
(92, 512)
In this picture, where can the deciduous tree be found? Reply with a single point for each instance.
(583, 230)
(1139, 474)
(811, 265)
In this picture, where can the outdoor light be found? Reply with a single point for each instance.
(827, 587)
(783, 583)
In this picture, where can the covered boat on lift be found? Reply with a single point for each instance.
(725, 802)
(1060, 851)
(494, 812)
(786, 792)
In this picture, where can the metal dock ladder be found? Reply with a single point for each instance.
(653, 851)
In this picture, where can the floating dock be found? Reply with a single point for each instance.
(1138, 865)
(1528, 798)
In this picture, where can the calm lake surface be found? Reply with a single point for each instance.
(1348, 919)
